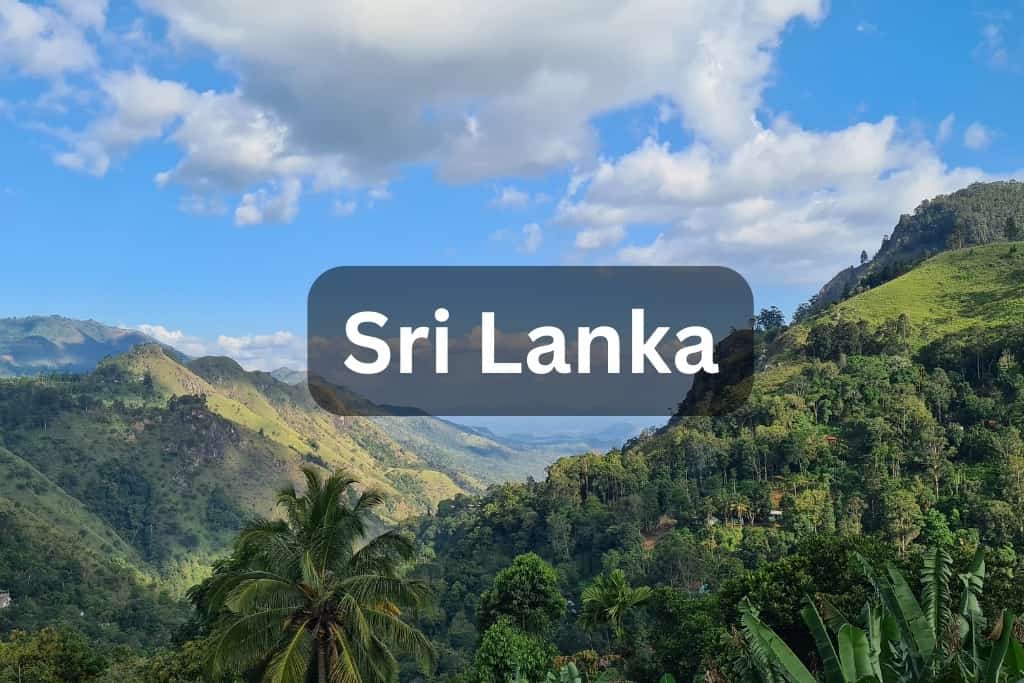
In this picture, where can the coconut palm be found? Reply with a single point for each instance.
(608, 600)
(309, 597)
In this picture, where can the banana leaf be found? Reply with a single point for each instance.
(855, 654)
(827, 652)
(912, 618)
(999, 650)
(903, 611)
(772, 651)
(936, 598)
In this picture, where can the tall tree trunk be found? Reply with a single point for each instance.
(321, 660)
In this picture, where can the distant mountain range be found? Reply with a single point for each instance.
(45, 344)
(289, 376)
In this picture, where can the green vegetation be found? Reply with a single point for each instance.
(980, 214)
(898, 638)
(947, 295)
(863, 437)
(120, 488)
(856, 520)
(311, 595)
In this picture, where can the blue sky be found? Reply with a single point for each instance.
(191, 166)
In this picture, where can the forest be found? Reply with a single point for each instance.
(857, 519)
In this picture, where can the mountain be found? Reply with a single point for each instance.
(878, 427)
(975, 215)
(46, 344)
(289, 376)
(147, 466)
(882, 426)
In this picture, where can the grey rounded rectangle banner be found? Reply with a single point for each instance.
(558, 340)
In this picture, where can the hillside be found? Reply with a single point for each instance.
(148, 466)
(45, 344)
(886, 424)
(975, 215)
(976, 288)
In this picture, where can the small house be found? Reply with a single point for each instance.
(5, 599)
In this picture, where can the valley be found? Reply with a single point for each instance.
(883, 438)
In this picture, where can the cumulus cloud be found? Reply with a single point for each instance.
(253, 352)
(265, 351)
(262, 207)
(533, 237)
(139, 107)
(333, 95)
(187, 344)
(787, 204)
(977, 136)
(45, 42)
(510, 197)
(531, 78)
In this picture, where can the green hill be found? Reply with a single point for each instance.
(975, 215)
(967, 289)
(886, 424)
(145, 468)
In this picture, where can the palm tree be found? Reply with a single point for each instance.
(308, 597)
(607, 601)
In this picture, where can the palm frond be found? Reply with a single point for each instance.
(291, 665)
(374, 589)
(247, 640)
(391, 629)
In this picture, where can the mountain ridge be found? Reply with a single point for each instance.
(971, 216)
(38, 344)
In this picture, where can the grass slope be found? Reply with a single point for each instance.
(969, 289)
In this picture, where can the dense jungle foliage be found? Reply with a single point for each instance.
(858, 519)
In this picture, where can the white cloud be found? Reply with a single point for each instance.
(600, 236)
(532, 75)
(139, 107)
(187, 344)
(342, 208)
(88, 13)
(510, 197)
(253, 352)
(945, 129)
(977, 136)
(262, 207)
(43, 42)
(533, 237)
(265, 351)
(785, 205)
(992, 48)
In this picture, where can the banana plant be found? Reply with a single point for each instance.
(570, 673)
(567, 674)
(899, 639)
